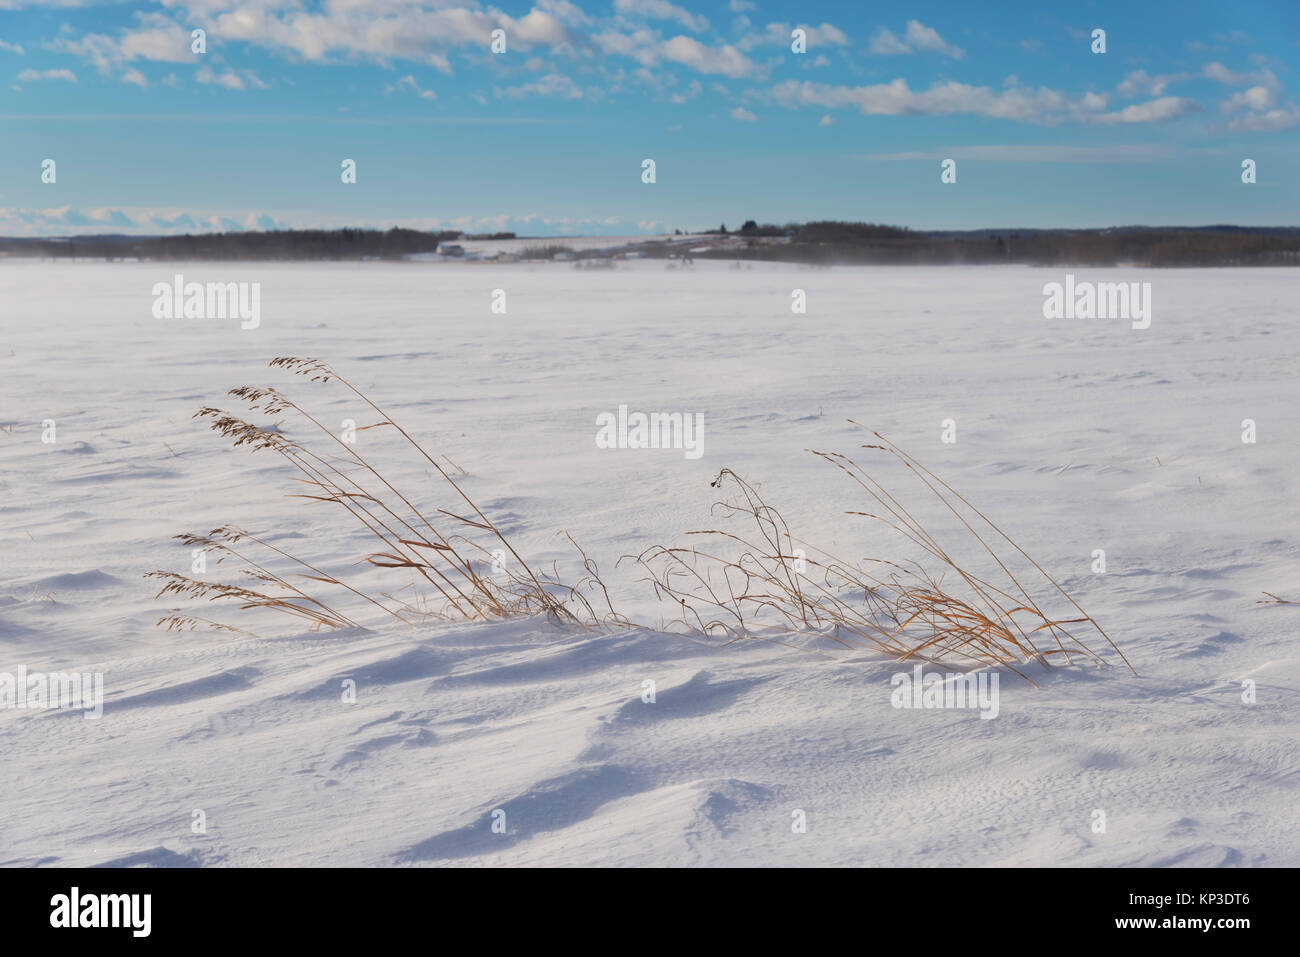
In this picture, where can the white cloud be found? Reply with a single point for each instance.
(553, 84)
(918, 37)
(20, 4)
(896, 98)
(662, 10)
(742, 114)
(15, 221)
(68, 220)
(726, 59)
(382, 30)
(826, 120)
(135, 77)
(158, 39)
(641, 45)
(778, 34)
(96, 48)
(693, 89)
(1217, 71)
(926, 38)
(1270, 122)
(1027, 153)
(1258, 104)
(230, 79)
(565, 11)
(826, 35)
(1019, 104)
(409, 83)
(11, 47)
(539, 27)
(31, 76)
(1257, 98)
(1153, 111)
(155, 38)
(1261, 77)
(1139, 83)
(886, 43)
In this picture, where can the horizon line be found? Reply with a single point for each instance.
(633, 236)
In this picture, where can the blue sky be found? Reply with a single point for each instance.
(548, 137)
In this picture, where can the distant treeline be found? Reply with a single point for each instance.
(826, 243)
(291, 244)
(833, 243)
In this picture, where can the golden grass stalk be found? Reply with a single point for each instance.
(933, 607)
(438, 545)
(1272, 599)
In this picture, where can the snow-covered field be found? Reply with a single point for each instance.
(1073, 434)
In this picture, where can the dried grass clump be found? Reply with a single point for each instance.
(924, 601)
(448, 552)
(766, 582)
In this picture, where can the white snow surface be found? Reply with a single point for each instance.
(1073, 435)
